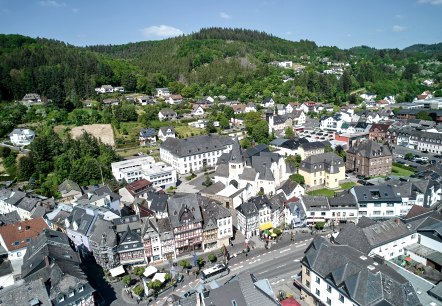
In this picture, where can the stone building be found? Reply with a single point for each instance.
(369, 158)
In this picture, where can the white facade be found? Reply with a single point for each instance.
(198, 111)
(394, 248)
(163, 92)
(429, 243)
(158, 173)
(225, 230)
(331, 124)
(22, 137)
(194, 162)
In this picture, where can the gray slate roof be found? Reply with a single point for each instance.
(360, 278)
(315, 203)
(328, 161)
(184, 208)
(345, 198)
(196, 145)
(370, 149)
(25, 293)
(382, 193)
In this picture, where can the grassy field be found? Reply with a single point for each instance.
(63, 130)
(322, 192)
(134, 151)
(400, 172)
(347, 185)
(187, 131)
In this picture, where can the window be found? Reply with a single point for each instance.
(71, 294)
(307, 284)
(318, 280)
(328, 288)
(341, 298)
(60, 299)
(318, 293)
(328, 301)
(307, 272)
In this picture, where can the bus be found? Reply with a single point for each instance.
(214, 272)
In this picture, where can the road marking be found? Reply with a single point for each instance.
(236, 268)
(263, 272)
(296, 260)
(280, 266)
(258, 256)
(284, 250)
(300, 245)
(247, 259)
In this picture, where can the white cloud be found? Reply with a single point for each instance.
(433, 2)
(224, 15)
(52, 3)
(398, 28)
(161, 31)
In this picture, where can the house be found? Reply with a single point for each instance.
(217, 223)
(15, 237)
(294, 214)
(344, 275)
(119, 89)
(268, 103)
(130, 247)
(385, 239)
(194, 153)
(280, 109)
(250, 107)
(162, 92)
(343, 208)
(55, 219)
(186, 222)
(308, 107)
(136, 189)
(238, 108)
(158, 173)
(197, 110)
(167, 114)
(332, 123)
(248, 219)
(378, 132)
(69, 190)
(104, 89)
(99, 196)
(21, 137)
(174, 99)
(31, 99)
(27, 205)
(110, 102)
(426, 95)
(145, 100)
(51, 259)
(379, 202)
(242, 289)
(147, 136)
(369, 158)
(428, 82)
(165, 132)
(326, 169)
(311, 148)
(368, 96)
(285, 147)
(291, 189)
(292, 106)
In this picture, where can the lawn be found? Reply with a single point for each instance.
(400, 171)
(322, 192)
(187, 131)
(347, 185)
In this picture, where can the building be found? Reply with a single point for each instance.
(162, 92)
(326, 169)
(26, 205)
(186, 222)
(378, 132)
(174, 99)
(167, 114)
(15, 237)
(51, 259)
(21, 137)
(379, 202)
(346, 276)
(134, 190)
(332, 123)
(29, 293)
(31, 99)
(165, 132)
(130, 247)
(369, 158)
(343, 208)
(197, 110)
(311, 148)
(103, 242)
(194, 153)
(386, 239)
(104, 89)
(217, 224)
(69, 190)
(147, 136)
(158, 173)
(242, 289)
(294, 214)
(99, 196)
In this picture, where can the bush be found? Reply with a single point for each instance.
(277, 231)
(185, 264)
(138, 271)
(138, 290)
(319, 225)
(5, 152)
(191, 176)
(212, 257)
(127, 280)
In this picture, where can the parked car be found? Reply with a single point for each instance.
(362, 182)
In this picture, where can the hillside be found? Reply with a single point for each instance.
(433, 49)
(213, 61)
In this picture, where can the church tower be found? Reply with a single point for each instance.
(236, 161)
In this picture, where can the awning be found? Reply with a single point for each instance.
(117, 271)
(160, 276)
(265, 226)
(150, 270)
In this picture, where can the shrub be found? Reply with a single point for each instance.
(211, 257)
(277, 231)
(127, 280)
(185, 264)
(319, 225)
(138, 290)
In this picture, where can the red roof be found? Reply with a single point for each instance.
(138, 186)
(294, 199)
(289, 302)
(416, 210)
(17, 235)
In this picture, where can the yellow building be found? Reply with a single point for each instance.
(326, 169)
(312, 148)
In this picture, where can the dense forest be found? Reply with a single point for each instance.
(213, 61)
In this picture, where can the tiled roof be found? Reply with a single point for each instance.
(370, 149)
(17, 235)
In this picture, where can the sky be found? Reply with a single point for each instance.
(341, 23)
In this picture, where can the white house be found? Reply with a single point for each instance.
(194, 153)
(22, 137)
(250, 107)
(174, 99)
(162, 92)
(165, 132)
(104, 89)
(280, 109)
(268, 103)
(135, 169)
(197, 110)
(167, 114)
(332, 123)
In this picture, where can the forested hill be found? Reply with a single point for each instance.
(433, 49)
(213, 61)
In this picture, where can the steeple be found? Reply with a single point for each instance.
(236, 154)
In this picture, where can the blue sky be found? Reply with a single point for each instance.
(343, 23)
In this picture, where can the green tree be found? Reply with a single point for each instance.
(211, 257)
(298, 178)
(184, 264)
(289, 133)
(25, 168)
(127, 280)
(5, 152)
(423, 115)
(200, 262)
(210, 128)
(409, 156)
(10, 164)
(139, 290)
(154, 285)
(138, 271)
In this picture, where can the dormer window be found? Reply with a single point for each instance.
(81, 289)
(61, 298)
(71, 294)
